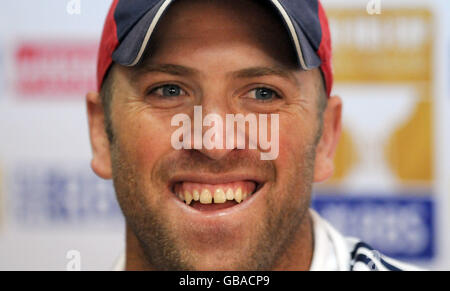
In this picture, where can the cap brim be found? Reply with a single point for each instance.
(131, 50)
(133, 46)
(307, 56)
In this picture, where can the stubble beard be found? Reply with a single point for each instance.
(281, 223)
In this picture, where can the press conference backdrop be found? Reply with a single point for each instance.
(392, 180)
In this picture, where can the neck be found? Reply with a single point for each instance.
(135, 257)
(299, 250)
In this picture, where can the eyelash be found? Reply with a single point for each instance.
(275, 92)
(154, 89)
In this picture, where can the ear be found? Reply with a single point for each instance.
(101, 160)
(332, 126)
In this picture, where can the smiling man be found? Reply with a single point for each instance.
(203, 208)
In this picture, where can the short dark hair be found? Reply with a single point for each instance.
(107, 92)
(322, 103)
(106, 96)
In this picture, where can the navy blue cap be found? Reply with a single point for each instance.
(132, 23)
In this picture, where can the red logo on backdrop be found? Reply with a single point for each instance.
(55, 69)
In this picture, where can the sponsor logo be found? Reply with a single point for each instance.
(399, 227)
(55, 195)
(388, 131)
(55, 69)
(385, 155)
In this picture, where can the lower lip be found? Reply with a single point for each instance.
(213, 206)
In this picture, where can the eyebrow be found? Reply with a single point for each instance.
(247, 73)
(170, 69)
(255, 72)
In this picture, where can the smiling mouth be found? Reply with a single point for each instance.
(213, 197)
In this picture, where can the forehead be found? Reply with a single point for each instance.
(219, 13)
(192, 25)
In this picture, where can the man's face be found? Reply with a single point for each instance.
(229, 58)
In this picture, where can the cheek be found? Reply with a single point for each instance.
(294, 166)
(294, 141)
(145, 140)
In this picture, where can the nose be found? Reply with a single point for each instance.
(215, 154)
(210, 134)
(214, 130)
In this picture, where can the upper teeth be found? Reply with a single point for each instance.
(196, 195)
(220, 195)
(205, 197)
(230, 194)
(187, 197)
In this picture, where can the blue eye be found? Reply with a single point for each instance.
(168, 91)
(264, 94)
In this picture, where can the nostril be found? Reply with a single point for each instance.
(215, 154)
